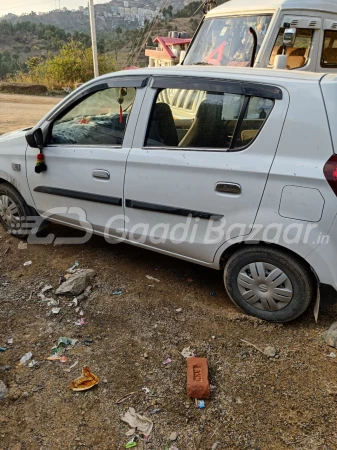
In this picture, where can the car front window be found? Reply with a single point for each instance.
(99, 119)
(227, 41)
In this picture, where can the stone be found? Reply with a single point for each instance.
(17, 446)
(197, 379)
(77, 283)
(3, 390)
(270, 351)
(173, 436)
(330, 336)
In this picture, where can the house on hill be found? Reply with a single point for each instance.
(169, 49)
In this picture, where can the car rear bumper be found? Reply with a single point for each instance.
(323, 261)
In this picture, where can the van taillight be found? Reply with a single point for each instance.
(330, 172)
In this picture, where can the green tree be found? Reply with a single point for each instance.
(190, 9)
(72, 65)
(115, 46)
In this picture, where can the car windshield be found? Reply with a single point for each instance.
(227, 41)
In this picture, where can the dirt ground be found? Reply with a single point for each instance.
(21, 111)
(285, 402)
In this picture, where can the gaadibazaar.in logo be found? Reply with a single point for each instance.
(192, 230)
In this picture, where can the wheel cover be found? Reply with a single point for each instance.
(265, 286)
(9, 212)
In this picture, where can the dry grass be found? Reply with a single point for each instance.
(23, 88)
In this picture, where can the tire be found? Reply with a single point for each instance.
(13, 211)
(282, 297)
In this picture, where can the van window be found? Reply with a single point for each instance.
(216, 121)
(329, 53)
(227, 41)
(299, 54)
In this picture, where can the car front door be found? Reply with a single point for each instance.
(87, 144)
(195, 180)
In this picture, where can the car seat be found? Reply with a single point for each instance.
(208, 129)
(162, 129)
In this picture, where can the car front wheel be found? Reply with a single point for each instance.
(13, 211)
(268, 283)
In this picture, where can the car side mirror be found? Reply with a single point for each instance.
(289, 37)
(35, 139)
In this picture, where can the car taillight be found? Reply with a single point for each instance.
(330, 172)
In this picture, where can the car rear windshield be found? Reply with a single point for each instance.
(227, 41)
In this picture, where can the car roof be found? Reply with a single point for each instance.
(240, 6)
(271, 76)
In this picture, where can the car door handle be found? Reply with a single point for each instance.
(228, 188)
(100, 173)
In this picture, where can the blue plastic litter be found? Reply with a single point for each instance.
(119, 292)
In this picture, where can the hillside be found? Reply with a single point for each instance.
(22, 42)
(25, 43)
(108, 15)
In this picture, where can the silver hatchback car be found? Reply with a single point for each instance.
(234, 169)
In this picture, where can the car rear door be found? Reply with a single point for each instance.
(188, 194)
(87, 145)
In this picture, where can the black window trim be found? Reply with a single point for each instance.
(134, 81)
(231, 148)
(327, 66)
(239, 123)
(227, 86)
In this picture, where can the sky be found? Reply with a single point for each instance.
(25, 6)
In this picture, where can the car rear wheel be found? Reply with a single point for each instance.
(268, 283)
(13, 211)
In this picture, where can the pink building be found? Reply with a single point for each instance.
(168, 52)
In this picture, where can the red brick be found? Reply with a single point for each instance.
(197, 378)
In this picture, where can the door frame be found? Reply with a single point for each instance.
(139, 82)
(238, 84)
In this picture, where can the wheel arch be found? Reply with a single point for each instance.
(14, 185)
(5, 181)
(6, 178)
(229, 251)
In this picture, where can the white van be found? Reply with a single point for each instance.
(245, 183)
(289, 34)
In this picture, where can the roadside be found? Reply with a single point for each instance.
(283, 402)
(21, 111)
